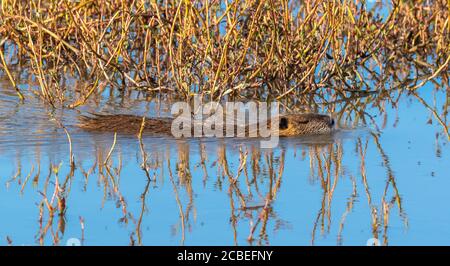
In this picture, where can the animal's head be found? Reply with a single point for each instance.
(305, 124)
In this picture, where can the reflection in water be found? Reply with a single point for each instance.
(309, 190)
(61, 182)
(251, 179)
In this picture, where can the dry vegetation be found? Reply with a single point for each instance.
(340, 54)
(240, 49)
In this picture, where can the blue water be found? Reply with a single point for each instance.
(366, 181)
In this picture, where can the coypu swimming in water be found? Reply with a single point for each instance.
(289, 125)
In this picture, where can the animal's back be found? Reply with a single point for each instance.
(128, 124)
(289, 125)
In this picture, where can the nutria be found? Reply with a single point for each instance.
(289, 125)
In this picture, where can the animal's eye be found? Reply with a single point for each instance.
(283, 123)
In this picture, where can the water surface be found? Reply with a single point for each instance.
(387, 179)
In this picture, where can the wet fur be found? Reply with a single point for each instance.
(289, 125)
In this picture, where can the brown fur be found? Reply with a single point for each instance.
(289, 125)
(305, 124)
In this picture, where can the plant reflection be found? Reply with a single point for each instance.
(251, 178)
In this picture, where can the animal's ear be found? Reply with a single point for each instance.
(303, 121)
(283, 123)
